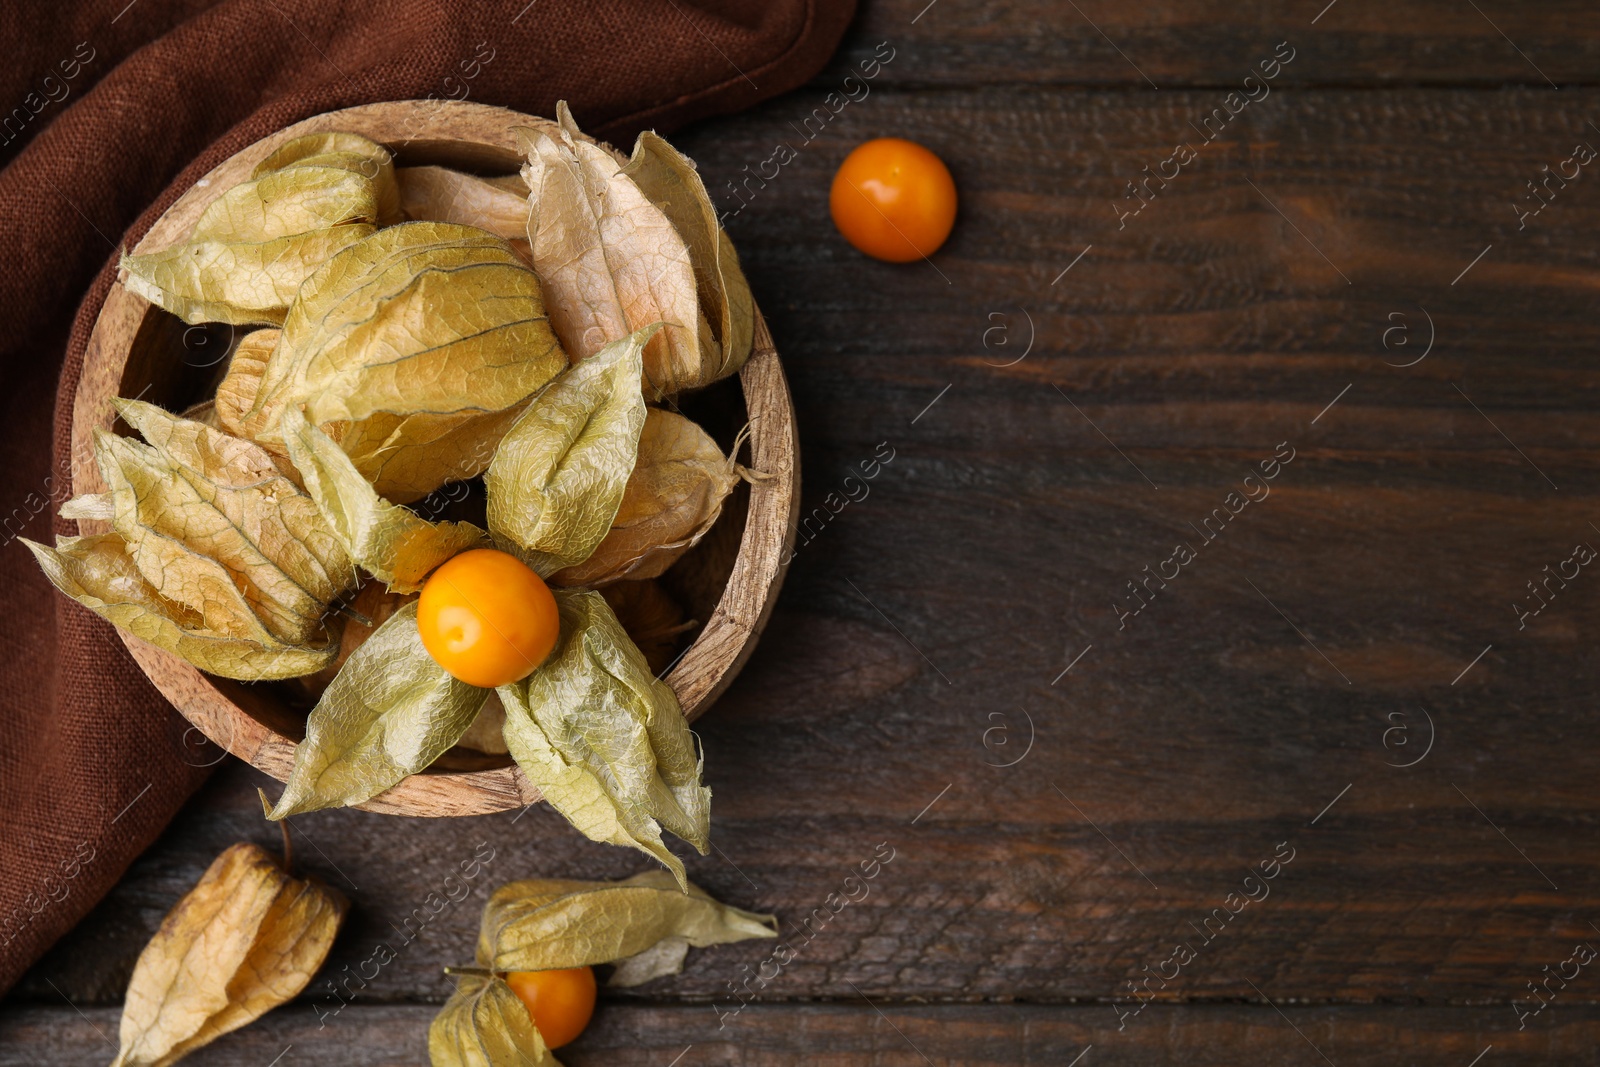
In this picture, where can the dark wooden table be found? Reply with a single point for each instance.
(1345, 667)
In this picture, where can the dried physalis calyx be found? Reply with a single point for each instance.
(236, 393)
(619, 247)
(364, 612)
(255, 244)
(671, 182)
(645, 925)
(439, 194)
(605, 741)
(244, 940)
(414, 350)
(673, 497)
(343, 151)
(389, 712)
(546, 923)
(215, 555)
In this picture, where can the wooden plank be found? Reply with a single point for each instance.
(992, 550)
(1218, 42)
(647, 1035)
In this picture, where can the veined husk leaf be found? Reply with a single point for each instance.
(245, 939)
(544, 924)
(673, 497)
(209, 520)
(439, 194)
(390, 712)
(89, 506)
(610, 260)
(255, 244)
(672, 183)
(414, 350)
(485, 1024)
(236, 393)
(659, 960)
(98, 573)
(605, 742)
(283, 203)
(559, 474)
(349, 151)
(390, 542)
(237, 282)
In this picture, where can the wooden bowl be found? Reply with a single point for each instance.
(730, 580)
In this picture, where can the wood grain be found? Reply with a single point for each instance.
(891, 1035)
(928, 626)
(991, 550)
(132, 352)
(1218, 42)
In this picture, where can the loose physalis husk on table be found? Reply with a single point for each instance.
(485, 1024)
(619, 247)
(414, 349)
(215, 555)
(644, 924)
(544, 924)
(256, 243)
(244, 940)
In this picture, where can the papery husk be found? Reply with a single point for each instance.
(255, 244)
(672, 183)
(610, 260)
(236, 393)
(544, 924)
(211, 524)
(247, 938)
(665, 957)
(295, 200)
(390, 542)
(485, 1024)
(439, 194)
(652, 618)
(240, 283)
(96, 506)
(674, 496)
(390, 712)
(349, 151)
(604, 741)
(98, 573)
(558, 476)
(414, 350)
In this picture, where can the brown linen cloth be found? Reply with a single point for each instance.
(119, 107)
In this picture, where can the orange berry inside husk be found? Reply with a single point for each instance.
(560, 1001)
(487, 618)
